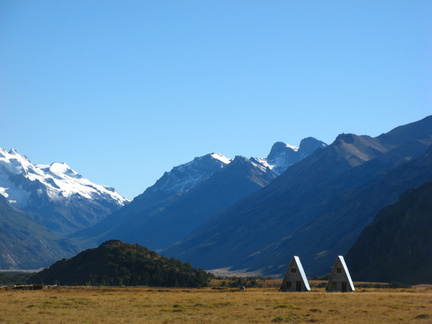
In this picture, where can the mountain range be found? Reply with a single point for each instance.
(317, 208)
(52, 203)
(240, 214)
(190, 194)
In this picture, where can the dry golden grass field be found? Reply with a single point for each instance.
(214, 305)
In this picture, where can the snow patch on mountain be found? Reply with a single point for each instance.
(14, 194)
(19, 178)
(221, 158)
(261, 164)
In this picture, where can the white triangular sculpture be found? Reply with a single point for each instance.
(340, 278)
(295, 277)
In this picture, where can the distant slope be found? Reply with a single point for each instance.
(58, 197)
(397, 245)
(25, 244)
(317, 208)
(187, 196)
(117, 263)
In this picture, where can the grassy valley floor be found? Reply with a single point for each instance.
(214, 305)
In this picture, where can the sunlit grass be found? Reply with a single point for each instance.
(260, 305)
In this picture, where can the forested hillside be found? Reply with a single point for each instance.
(115, 263)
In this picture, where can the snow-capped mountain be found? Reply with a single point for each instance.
(63, 200)
(184, 177)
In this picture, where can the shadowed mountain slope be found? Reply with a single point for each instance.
(397, 245)
(26, 244)
(166, 221)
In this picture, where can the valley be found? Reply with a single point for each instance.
(243, 214)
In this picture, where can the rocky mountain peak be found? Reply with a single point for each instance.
(308, 145)
(283, 155)
(281, 149)
(346, 138)
(186, 176)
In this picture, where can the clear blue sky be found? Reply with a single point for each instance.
(125, 90)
